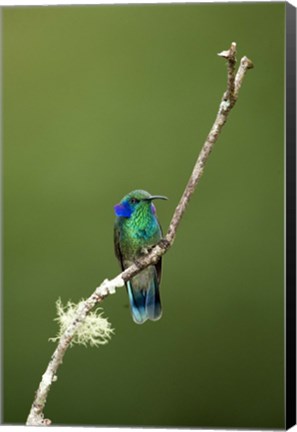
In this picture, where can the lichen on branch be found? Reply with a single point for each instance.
(95, 330)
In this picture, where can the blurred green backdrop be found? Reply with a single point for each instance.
(99, 101)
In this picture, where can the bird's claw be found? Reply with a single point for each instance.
(146, 250)
(164, 243)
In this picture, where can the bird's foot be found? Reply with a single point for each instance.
(146, 250)
(164, 243)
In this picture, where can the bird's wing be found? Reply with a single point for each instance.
(159, 263)
(159, 270)
(117, 248)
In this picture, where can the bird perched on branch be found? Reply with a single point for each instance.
(136, 230)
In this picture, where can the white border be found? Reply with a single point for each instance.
(94, 2)
(111, 429)
(97, 2)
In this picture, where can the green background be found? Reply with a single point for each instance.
(102, 100)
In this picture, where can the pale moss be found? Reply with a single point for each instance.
(95, 330)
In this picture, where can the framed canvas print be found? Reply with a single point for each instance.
(148, 222)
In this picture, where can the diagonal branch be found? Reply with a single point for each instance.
(107, 287)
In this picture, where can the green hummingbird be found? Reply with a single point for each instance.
(136, 229)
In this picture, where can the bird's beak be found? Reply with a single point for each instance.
(152, 197)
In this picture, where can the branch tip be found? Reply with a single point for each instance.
(230, 53)
(224, 54)
(245, 61)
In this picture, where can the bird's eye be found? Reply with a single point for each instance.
(134, 201)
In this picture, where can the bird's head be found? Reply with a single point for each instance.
(136, 200)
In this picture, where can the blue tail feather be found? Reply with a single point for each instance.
(153, 302)
(137, 304)
(145, 300)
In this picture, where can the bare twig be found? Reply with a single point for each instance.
(230, 55)
(245, 65)
(234, 82)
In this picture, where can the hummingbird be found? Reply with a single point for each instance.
(136, 229)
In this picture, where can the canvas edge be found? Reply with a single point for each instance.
(290, 313)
